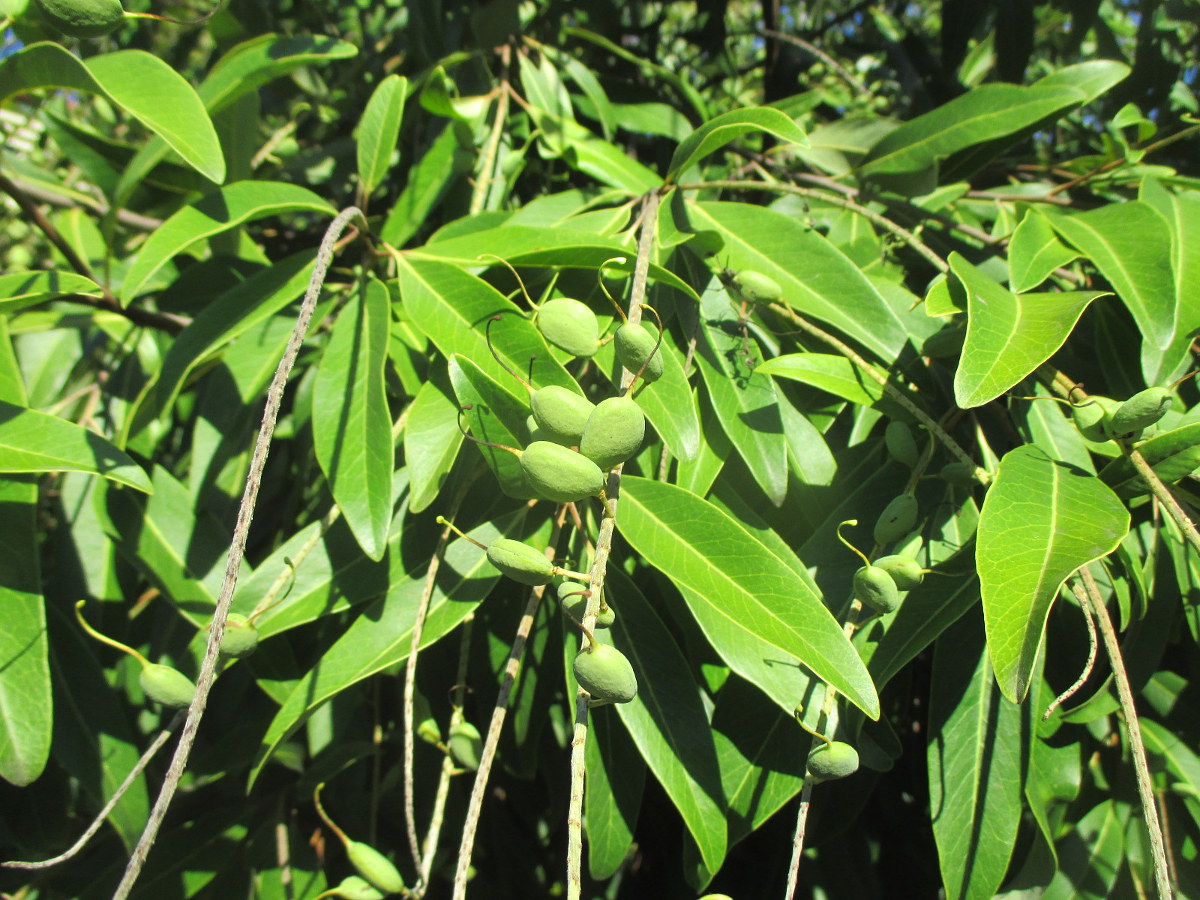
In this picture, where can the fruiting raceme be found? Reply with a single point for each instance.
(82, 18)
(614, 432)
(560, 474)
(240, 638)
(835, 759)
(1092, 417)
(636, 347)
(520, 562)
(897, 519)
(875, 589)
(905, 572)
(1140, 411)
(606, 674)
(561, 414)
(569, 325)
(757, 287)
(574, 598)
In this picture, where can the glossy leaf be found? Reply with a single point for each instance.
(22, 289)
(138, 82)
(1008, 335)
(719, 131)
(1091, 855)
(616, 775)
(1041, 521)
(32, 441)
(352, 427)
(758, 614)
(1035, 252)
(1173, 455)
(432, 441)
(227, 208)
(827, 372)
(378, 131)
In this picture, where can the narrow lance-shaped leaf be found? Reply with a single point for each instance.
(378, 130)
(352, 428)
(22, 289)
(729, 126)
(1041, 521)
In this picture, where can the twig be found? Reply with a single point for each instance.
(141, 764)
(816, 51)
(1165, 497)
(433, 836)
(512, 668)
(1137, 747)
(487, 162)
(1087, 666)
(237, 549)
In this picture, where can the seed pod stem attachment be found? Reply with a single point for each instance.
(798, 714)
(104, 639)
(508, 545)
(842, 538)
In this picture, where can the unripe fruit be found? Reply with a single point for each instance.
(901, 443)
(354, 888)
(836, 759)
(757, 287)
(466, 744)
(520, 562)
(569, 325)
(634, 345)
(906, 573)
(561, 414)
(167, 686)
(896, 520)
(240, 637)
(534, 430)
(875, 589)
(614, 432)
(82, 18)
(1140, 411)
(375, 868)
(959, 474)
(574, 602)
(1093, 416)
(606, 674)
(560, 474)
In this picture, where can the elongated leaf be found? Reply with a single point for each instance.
(378, 130)
(718, 132)
(1130, 243)
(138, 82)
(826, 371)
(497, 417)
(1040, 522)
(428, 181)
(431, 441)
(1008, 335)
(22, 289)
(921, 619)
(743, 399)
(616, 775)
(1091, 856)
(220, 211)
(352, 428)
(667, 721)
(31, 441)
(978, 116)
(1182, 214)
(758, 614)
(26, 704)
(1173, 455)
(975, 766)
(817, 279)
(229, 316)
(382, 635)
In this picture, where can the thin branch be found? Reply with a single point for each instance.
(1137, 747)
(1087, 666)
(1165, 497)
(487, 162)
(237, 549)
(141, 764)
(99, 207)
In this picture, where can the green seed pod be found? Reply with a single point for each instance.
(897, 519)
(375, 868)
(569, 325)
(570, 595)
(836, 759)
(634, 345)
(167, 686)
(1093, 417)
(520, 562)
(901, 443)
(354, 888)
(466, 743)
(959, 474)
(534, 430)
(757, 287)
(82, 18)
(1141, 410)
(614, 432)
(560, 474)
(875, 589)
(606, 674)
(561, 414)
(240, 638)
(906, 572)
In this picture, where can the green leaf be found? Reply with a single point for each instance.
(1130, 243)
(1091, 855)
(1041, 521)
(827, 372)
(138, 82)
(817, 279)
(352, 427)
(743, 399)
(22, 289)
(976, 117)
(1008, 335)
(428, 180)
(756, 612)
(718, 132)
(667, 720)
(975, 766)
(1182, 214)
(925, 613)
(1173, 455)
(26, 705)
(497, 417)
(224, 209)
(32, 441)
(431, 440)
(378, 131)
(616, 775)
(1035, 252)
